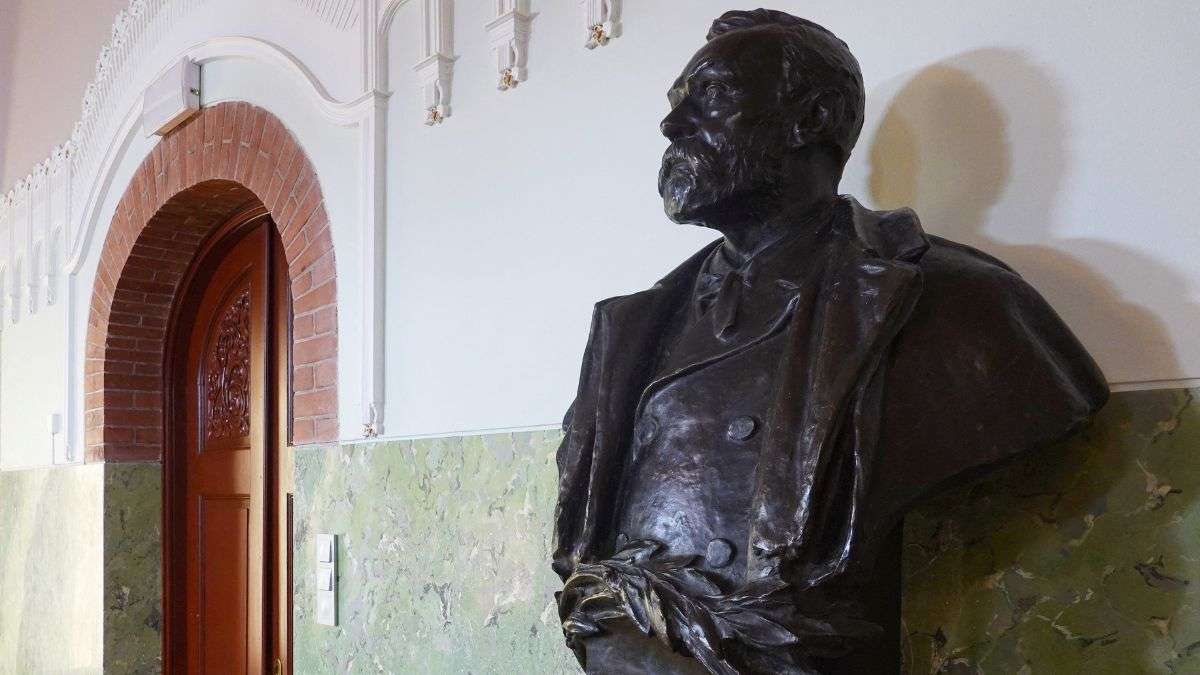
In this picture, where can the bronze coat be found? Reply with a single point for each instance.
(910, 360)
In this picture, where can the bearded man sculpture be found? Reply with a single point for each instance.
(748, 433)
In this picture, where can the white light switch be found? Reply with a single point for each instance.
(326, 596)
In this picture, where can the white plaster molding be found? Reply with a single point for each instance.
(14, 291)
(602, 20)
(77, 174)
(54, 253)
(509, 35)
(373, 201)
(341, 113)
(340, 14)
(435, 69)
(348, 113)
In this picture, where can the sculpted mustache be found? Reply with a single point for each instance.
(694, 156)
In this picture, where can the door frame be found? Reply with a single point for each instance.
(277, 564)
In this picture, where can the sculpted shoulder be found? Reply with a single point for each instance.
(983, 370)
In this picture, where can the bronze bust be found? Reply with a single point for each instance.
(748, 433)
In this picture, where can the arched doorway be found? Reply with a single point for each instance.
(230, 167)
(225, 496)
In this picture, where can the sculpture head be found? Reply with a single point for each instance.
(766, 113)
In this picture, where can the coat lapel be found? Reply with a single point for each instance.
(815, 466)
(619, 361)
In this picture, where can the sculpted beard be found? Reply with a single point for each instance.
(697, 179)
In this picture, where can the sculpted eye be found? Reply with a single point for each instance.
(714, 89)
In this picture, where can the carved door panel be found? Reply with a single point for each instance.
(227, 427)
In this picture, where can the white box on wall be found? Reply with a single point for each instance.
(172, 98)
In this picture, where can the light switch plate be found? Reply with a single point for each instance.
(326, 581)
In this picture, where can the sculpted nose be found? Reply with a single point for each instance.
(676, 125)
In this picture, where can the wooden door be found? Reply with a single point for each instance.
(228, 428)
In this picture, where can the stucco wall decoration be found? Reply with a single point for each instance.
(601, 20)
(509, 35)
(40, 212)
(341, 14)
(435, 70)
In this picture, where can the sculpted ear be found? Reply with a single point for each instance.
(817, 118)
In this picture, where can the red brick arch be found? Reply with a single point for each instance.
(223, 160)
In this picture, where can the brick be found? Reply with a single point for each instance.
(326, 373)
(303, 431)
(325, 320)
(114, 417)
(131, 382)
(301, 284)
(302, 327)
(145, 400)
(314, 350)
(169, 206)
(325, 430)
(319, 244)
(148, 436)
(315, 298)
(322, 269)
(303, 378)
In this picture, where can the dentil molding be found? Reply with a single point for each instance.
(509, 36)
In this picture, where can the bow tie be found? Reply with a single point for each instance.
(720, 296)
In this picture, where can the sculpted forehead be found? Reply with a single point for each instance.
(748, 54)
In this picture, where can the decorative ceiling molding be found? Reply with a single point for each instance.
(509, 35)
(341, 14)
(38, 215)
(435, 70)
(602, 19)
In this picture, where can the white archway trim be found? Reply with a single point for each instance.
(342, 113)
(349, 113)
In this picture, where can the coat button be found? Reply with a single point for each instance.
(719, 553)
(742, 428)
(648, 430)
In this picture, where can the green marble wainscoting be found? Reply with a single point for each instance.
(50, 570)
(443, 550)
(133, 568)
(1083, 559)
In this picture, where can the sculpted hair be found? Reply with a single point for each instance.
(815, 61)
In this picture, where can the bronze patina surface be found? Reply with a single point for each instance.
(748, 433)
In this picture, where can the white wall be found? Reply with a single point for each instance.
(275, 55)
(1055, 135)
(1058, 136)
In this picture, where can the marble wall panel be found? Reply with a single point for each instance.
(133, 568)
(443, 556)
(1082, 559)
(1085, 558)
(50, 570)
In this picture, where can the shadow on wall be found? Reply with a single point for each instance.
(978, 145)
